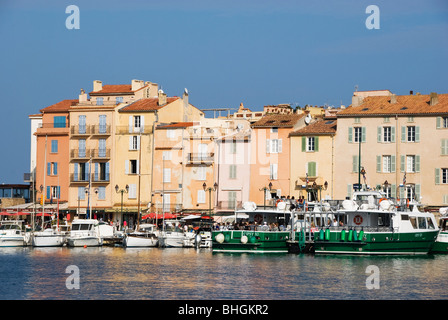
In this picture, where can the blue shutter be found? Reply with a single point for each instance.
(48, 168)
(48, 195)
(55, 168)
(75, 174)
(86, 173)
(107, 171)
(96, 171)
(59, 192)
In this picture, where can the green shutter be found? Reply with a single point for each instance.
(393, 191)
(417, 192)
(444, 148)
(417, 134)
(402, 163)
(316, 143)
(303, 144)
(379, 131)
(349, 191)
(403, 134)
(392, 163)
(437, 174)
(439, 121)
(392, 134)
(312, 169)
(417, 163)
(350, 134)
(355, 164)
(378, 163)
(363, 134)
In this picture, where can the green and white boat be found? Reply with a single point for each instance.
(373, 225)
(441, 244)
(269, 231)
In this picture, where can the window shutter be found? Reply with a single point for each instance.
(268, 146)
(402, 163)
(379, 132)
(131, 124)
(126, 166)
(417, 134)
(350, 134)
(355, 164)
(393, 191)
(279, 149)
(349, 191)
(96, 171)
(417, 163)
(437, 175)
(363, 134)
(392, 163)
(59, 192)
(438, 121)
(48, 168)
(378, 163)
(86, 173)
(303, 144)
(75, 174)
(392, 134)
(417, 192)
(403, 134)
(444, 147)
(107, 171)
(316, 143)
(142, 124)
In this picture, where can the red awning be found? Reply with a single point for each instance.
(4, 213)
(45, 214)
(21, 213)
(152, 215)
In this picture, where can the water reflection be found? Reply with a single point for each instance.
(189, 273)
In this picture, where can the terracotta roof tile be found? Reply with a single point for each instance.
(175, 125)
(320, 127)
(278, 120)
(115, 89)
(405, 105)
(147, 104)
(61, 106)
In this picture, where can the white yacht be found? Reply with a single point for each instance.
(84, 233)
(12, 235)
(144, 236)
(48, 238)
(172, 236)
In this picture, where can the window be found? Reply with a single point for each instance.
(387, 164)
(81, 171)
(411, 134)
(55, 192)
(274, 130)
(167, 155)
(387, 190)
(387, 136)
(103, 126)
(99, 101)
(233, 147)
(118, 99)
(137, 121)
(133, 166)
(102, 147)
(201, 173)
(132, 191)
(54, 146)
(82, 148)
(59, 122)
(101, 171)
(170, 133)
(273, 145)
(310, 144)
(273, 171)
(134, 143)
(358, 134)
(232, 171)
(166, 175)
(81, 193)
(442, 122)
(444, 147)
(410, 163)
(201, 196)
(101, 193)
(232, 199)
(312, 169)
(441, 175)
(82, 124)
(444, 175)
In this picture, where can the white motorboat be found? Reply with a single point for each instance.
(144, 236)
(48, 238)
(84, 233)
(11, 234)
(172, 236)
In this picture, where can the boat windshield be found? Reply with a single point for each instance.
(9, 227)
(81, 227)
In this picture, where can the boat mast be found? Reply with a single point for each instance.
(139, 175)
(44, 192)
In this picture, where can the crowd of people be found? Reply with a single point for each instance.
(251, 226)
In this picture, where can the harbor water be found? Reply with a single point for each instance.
(109, 273)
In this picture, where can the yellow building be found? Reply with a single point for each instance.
(401, 142)
(312, 160)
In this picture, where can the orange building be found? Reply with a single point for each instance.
(52, 152)
(270, 155)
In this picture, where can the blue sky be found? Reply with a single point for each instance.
(225, 52)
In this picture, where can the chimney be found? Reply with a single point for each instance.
(356, 101)
(393, 98)
(433, 99)
(97, 85)
(82, 96)
(162, 98)
(411, 92)
(186, 105)
(137, 84)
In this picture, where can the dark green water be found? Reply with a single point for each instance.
(178, 274)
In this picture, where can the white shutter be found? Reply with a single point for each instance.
(167, 175)
(126, 166)
(131, 123)
(201, 196)
(132, 191)
(268, 146)
(279, 145)
(131, 142)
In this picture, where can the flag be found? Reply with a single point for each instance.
(404, 179)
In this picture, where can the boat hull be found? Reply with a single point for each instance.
(84, 242)
(242, 241)
(171, 240)
(140, 241)
(48, 240)
(376, 243)
(12, 241)
(441, 244)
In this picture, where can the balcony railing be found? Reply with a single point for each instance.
(80, 130)
(229, 205)
(100, 129)
(100, 153)
(80, 154)
(133, 130)
(100, 177)
(200, 157)
(79, 178)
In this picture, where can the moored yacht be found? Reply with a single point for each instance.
(144, 236)
(84, 233)
(372, 224)
(12, 234)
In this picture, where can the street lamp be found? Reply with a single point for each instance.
(122, 191)
(210, 189)
(87, 191)
(264, 193)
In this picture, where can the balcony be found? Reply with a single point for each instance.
(100, 177)
(229, 205)
(100, 130)
(80, 154)
(133, 130)
(100, 153)
(200, 158)
(79, 178)
(80, 130)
